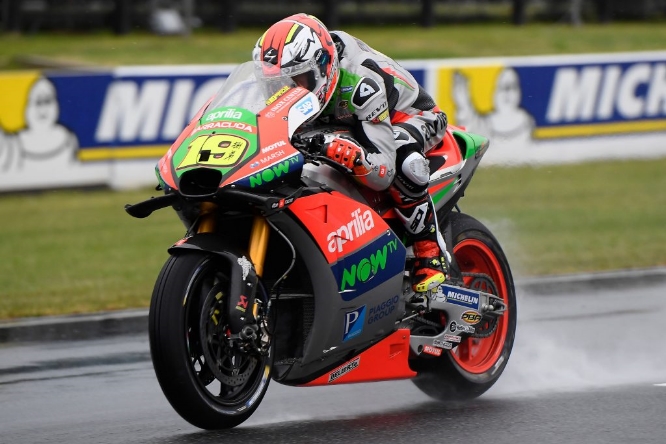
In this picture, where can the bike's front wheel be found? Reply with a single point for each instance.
(208, 379)
(477, 362)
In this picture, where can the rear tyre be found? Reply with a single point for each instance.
(472, 367)
(209, 383)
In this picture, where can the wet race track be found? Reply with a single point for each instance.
(587, 367)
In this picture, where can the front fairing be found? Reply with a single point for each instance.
(242, 138)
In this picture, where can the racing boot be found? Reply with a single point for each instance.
(419, 219)
(428, 271)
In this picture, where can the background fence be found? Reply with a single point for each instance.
(123, 16)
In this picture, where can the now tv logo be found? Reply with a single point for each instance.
(137, 110)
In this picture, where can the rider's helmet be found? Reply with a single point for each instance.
(300, 47)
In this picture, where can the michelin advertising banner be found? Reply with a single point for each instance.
(60, 129)
(559, 109)
(96, 128)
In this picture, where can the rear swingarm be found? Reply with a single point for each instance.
(465, 309)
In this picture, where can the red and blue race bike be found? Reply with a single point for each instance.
(291, 271)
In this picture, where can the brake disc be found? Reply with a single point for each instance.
(232, 367)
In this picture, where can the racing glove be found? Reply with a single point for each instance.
(344, 151)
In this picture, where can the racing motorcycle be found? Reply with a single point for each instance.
(290, 271)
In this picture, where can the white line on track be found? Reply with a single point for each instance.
(660, 385)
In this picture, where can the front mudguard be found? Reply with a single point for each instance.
(243, 280)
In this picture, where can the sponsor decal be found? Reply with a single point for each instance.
(214, 150)
(429, 349)
(354, 321)
(282, 203)
(344, 369)
(275, 96)
(377, 111)
(442, 344)
(273, 146)
(471, 317)
(224, 124)
(458, 296)
(455, 327)
(305, 106)
(242, 304)
(272, 156)
(346, 89)
(382, 310)
(229, 113)
(354, 229)
(452, 338)
(284, 101)
(383, 116)
(365, 90)
(368, 267)
(271, 173)
(382, 171)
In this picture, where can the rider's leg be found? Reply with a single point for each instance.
(416, 210)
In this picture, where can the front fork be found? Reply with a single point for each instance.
(258, 247)
(258, 244)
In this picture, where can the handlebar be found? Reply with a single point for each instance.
(310, 145)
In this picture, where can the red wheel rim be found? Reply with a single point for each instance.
(478, 355)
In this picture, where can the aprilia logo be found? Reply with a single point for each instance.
(357, 227)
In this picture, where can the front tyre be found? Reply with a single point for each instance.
(476, 364)
(209, 381)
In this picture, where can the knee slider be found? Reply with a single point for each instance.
(415, 171)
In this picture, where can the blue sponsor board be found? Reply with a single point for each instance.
(105, 110)
(149, 109)
(515, 101)
(594, 98)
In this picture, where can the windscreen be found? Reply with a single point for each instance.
(248, 87)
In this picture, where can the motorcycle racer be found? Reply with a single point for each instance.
(393, 120)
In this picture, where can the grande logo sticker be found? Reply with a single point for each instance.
(216, 150)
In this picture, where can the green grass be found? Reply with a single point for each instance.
(575, 218)
(77, 251)
(205, 46)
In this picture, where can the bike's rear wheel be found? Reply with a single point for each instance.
(476, 363)
(208, 382)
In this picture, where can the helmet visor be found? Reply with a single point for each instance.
(274, 78)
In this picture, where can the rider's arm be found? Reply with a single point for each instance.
(373, 147)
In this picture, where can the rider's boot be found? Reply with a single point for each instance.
(428, 271)
(429, 265)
